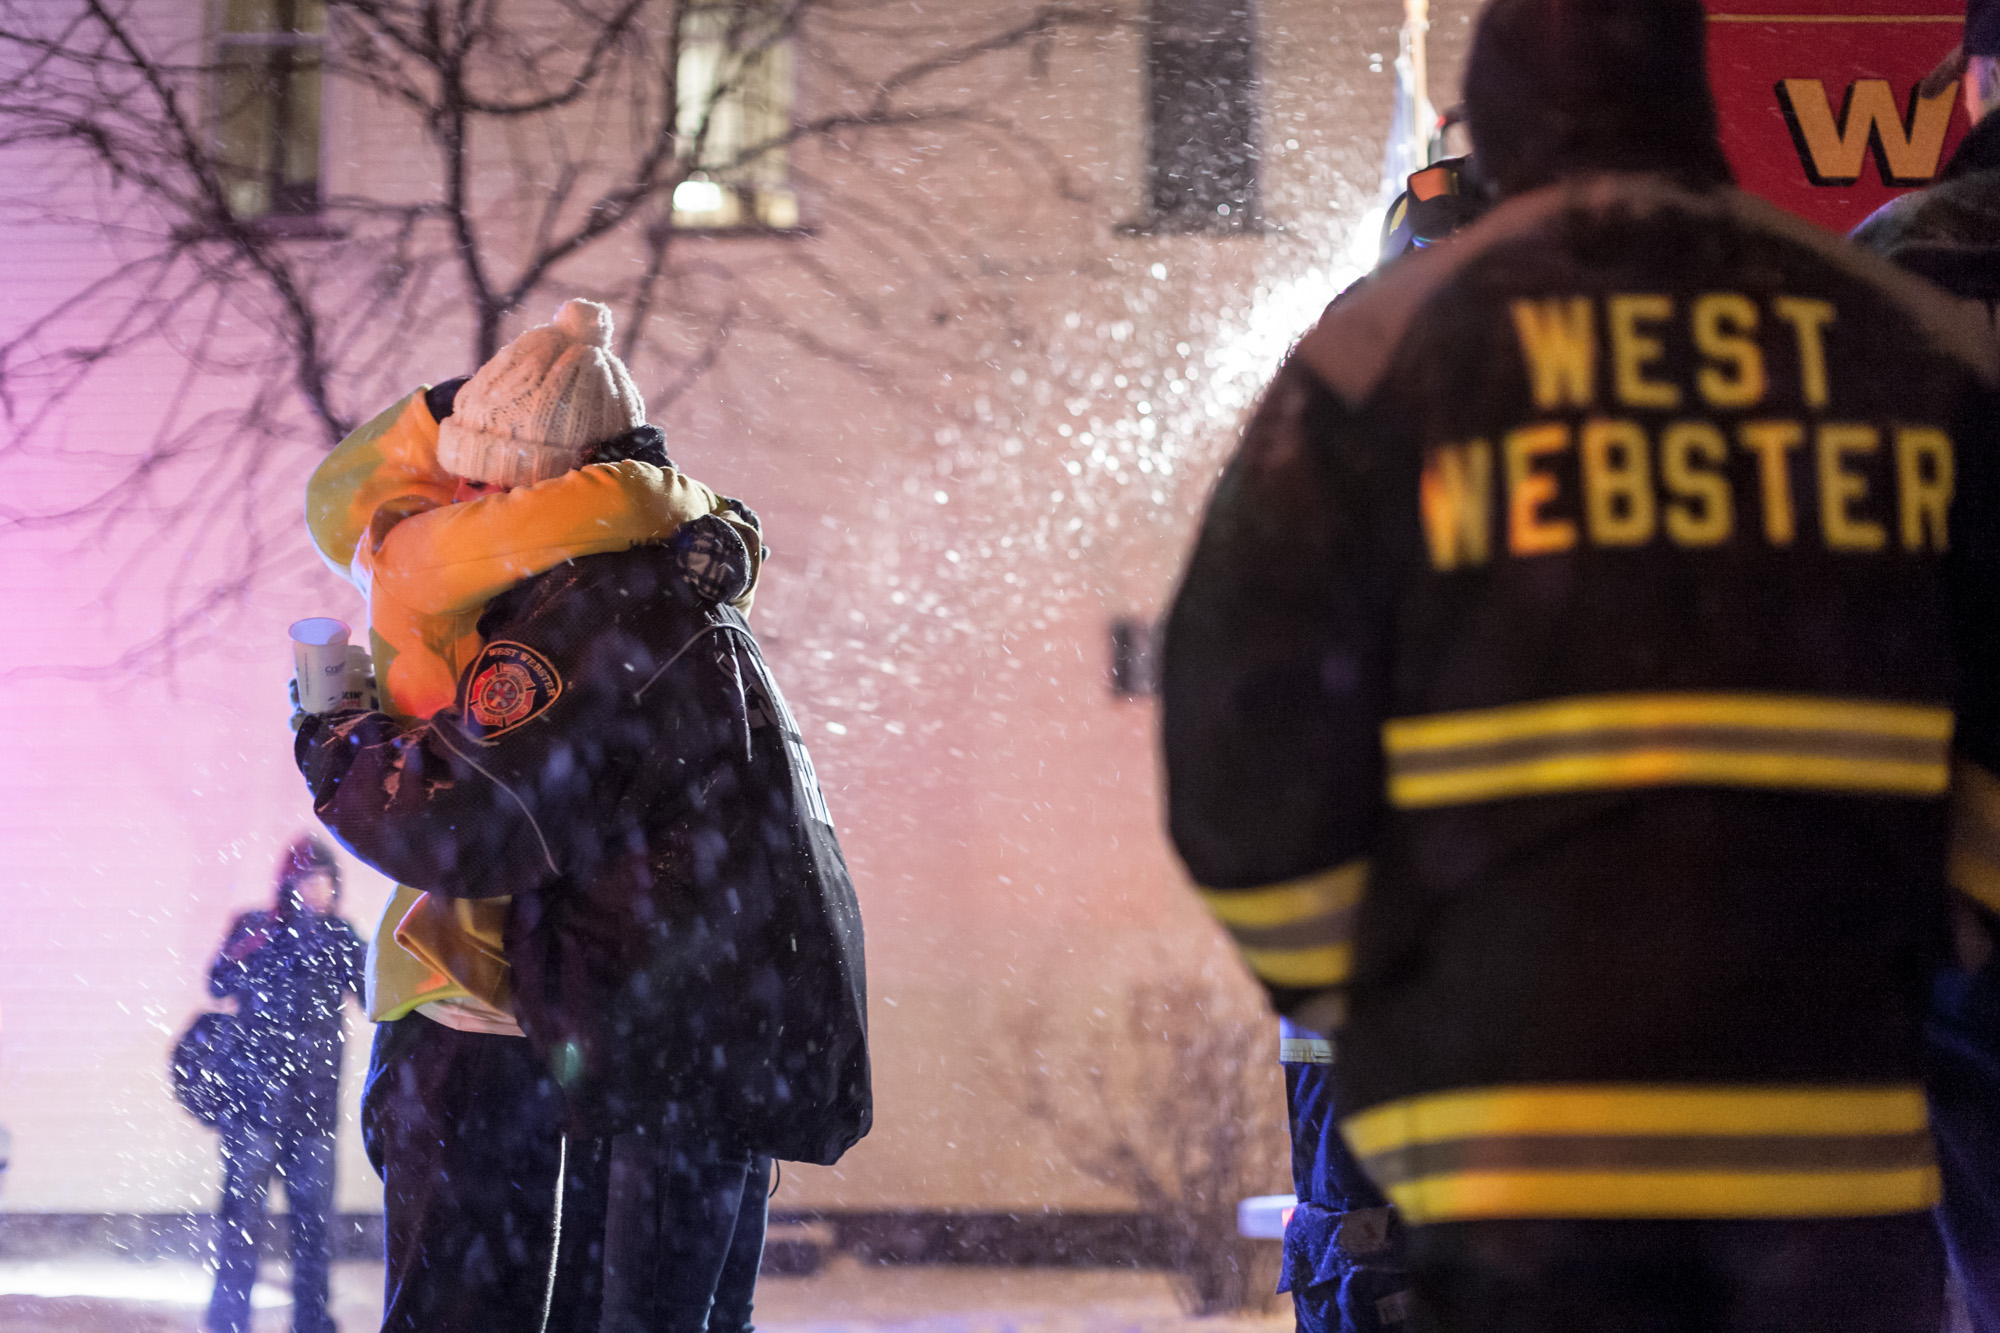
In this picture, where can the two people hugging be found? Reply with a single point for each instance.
(623, 970)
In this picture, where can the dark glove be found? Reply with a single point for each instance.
(713, 559)
(641, 444)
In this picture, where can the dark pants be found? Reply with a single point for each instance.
(684, 1234)
(1963, 1080)
(482, 1195)
(252, 1152)
(1842, 1275)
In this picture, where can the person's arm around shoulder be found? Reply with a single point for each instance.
(1273, 688)
(457, 557)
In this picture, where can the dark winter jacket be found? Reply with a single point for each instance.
(1949, 233)
(1565, 684)
(289, 975)
(685, 939)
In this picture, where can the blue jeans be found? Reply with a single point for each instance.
(251, 1153)
(684, 1234)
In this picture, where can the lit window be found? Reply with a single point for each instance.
(267, 105)
(1201, 78)
(736, 95)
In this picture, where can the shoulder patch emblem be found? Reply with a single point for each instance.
(510, 685)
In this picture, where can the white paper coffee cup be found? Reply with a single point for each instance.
(319, 660)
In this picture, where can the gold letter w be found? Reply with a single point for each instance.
(1907, 146)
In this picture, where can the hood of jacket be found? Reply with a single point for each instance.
(393, 454)
(1949, 233)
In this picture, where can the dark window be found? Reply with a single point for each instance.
(266, 113)
(1201, 76)
(1134, 668)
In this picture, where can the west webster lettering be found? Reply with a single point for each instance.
(1599, 475)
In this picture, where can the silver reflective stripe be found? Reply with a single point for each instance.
(1305, 1051)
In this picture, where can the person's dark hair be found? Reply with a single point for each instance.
(439, 398)
(1982, 28)
(306, 856)
(644, 444)
(1558, 88)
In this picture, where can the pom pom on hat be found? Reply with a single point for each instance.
(586, 321)
(544, 400)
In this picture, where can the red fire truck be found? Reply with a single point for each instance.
(1822, 109)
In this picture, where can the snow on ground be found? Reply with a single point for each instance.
(107, 1296)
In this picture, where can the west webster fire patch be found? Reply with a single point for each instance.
(510, 685)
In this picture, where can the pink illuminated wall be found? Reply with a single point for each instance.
(946, 563)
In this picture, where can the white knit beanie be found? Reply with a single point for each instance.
(542, 402)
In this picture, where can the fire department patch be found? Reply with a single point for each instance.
(510, 685)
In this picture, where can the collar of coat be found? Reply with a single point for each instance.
(1977, 151)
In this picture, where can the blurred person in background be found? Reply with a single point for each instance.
(289, 968)
(1344, 1251)
(1566, 699)
(1950, 233)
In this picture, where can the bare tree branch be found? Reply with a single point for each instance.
(552, 147)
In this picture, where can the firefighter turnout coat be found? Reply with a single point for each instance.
(1580, 669)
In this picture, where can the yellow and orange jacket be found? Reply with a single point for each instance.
(380, 514)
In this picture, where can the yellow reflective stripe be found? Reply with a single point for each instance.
(1302, 969)
(1636, 740)
(1614, 1110)
(1638, 1150)
(1977, 879)
(1660, 767)
(1974, 866)
(1666, 1194)
(1293, 901)
(1617, 712)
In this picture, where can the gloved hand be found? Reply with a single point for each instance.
(714, 561)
